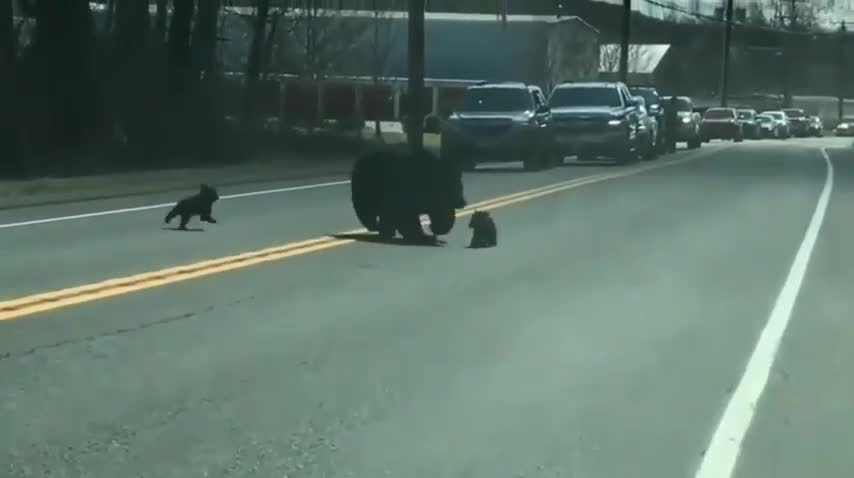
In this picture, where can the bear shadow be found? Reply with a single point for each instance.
(497, 170)
(396, 241)
(590, 163)
(178, 229)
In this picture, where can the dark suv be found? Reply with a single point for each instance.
(721, 123)
(688, 120)
(799, 123)
(747, 118)
(655, 111)
(500, 122)
(593, 119)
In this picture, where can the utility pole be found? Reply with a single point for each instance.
(727, 44)
(625, 40)
(788, 53)
(842, 70)
(415, 93)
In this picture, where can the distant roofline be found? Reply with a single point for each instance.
(568, 84)
(366, 80)
(498, 84)
(462, 17)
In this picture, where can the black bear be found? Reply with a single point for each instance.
(199, 204)
(484, 233)
(391, 189)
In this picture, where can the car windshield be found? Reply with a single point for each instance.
(795, 113)
(477, 100)
(764, 119)
(649, 95)
(719, 113)
(776, 115)
(585, 96)
(745, 115)
(682, 104)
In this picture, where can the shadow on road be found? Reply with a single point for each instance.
(498, 169)
(396, 241)
(589, 163)
(178, 229)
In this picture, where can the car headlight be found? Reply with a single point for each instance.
(615, 122)
(686, 120)
(524, 121)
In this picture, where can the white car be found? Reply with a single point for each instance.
(781, 121)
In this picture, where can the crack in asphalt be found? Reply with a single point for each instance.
(122, 331)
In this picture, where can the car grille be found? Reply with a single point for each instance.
(580, 124)
(488, 130)
(718, 128)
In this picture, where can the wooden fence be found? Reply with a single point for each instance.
(295, 100)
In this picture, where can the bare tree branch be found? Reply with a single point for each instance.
(328, 38)
(609, 57)
(382, 37)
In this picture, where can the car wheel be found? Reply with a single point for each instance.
(386, 228)
(547, 156)
(532, 163)
(648, 152)
(465, 164)
(694, 143)
(627, 157)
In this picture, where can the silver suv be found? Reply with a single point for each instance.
(500, 122)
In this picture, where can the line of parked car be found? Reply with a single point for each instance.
(738, 124)
(506, 121)
(498, 122)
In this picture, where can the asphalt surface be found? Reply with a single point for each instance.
(603, 337)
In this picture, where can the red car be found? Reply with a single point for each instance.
(721, 123)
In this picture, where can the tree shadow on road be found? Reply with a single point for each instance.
(396, 241)
(498, 169)
(589, 163)
(178, 229)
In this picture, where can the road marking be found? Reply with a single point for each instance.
(164, 205)
(43, 302)
(111, 212)
(721, 455)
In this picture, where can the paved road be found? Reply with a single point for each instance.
(603, 337)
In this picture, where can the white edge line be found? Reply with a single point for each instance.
(720, 458)
(158, 206)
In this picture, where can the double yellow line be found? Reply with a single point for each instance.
(33, 304)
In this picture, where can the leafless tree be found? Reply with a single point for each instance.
(609, 56)
(326, 38)
(381, 43)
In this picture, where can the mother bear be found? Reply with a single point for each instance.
(391, 189)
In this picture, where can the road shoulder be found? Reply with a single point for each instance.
(803, 426)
